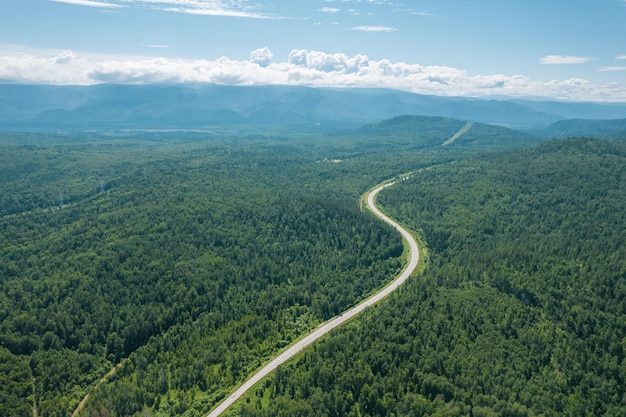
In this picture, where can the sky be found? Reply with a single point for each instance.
(562, 49)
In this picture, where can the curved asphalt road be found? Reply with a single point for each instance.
(337, 321)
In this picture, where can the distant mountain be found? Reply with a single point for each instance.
(490, 136)
(429, 129)
(569, 110)
(607, 129)
(425, 131)
(111, 106)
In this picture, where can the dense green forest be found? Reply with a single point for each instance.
(421, 132)
(190, 258)
(521, 311)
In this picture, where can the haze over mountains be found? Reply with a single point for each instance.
(186, 106)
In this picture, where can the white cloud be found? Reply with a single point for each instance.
(217, 12)
(378, 2)
(374, 28)
(328, 63)
(418, 13)
(262, 57)
(609, 69)
(329, 10)
(302, 67)
(225, 8)
(64, 57)
(564, 59)
(620, 57)
(89, 3)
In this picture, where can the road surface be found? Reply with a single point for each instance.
(458, 134)
(337, 321)
(82, 403)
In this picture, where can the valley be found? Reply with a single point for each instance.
(189, 259)
(321, 208)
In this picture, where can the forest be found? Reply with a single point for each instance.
(520, 312)
(188, 259)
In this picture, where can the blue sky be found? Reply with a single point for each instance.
(566, 49)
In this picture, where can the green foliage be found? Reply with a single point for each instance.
(492, 138)
(609, 129)
(197, 261)
(521, 311)
(421, 132)
(416, 131)
(16, 387)
(193, 258)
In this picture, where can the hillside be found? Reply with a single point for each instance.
(416, 130)
(578, 110)
(420, 132)
(187, 106)
(192, 258)
(191, 262)
(607, 129)
(521, 311)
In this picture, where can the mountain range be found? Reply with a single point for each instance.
(113, 106)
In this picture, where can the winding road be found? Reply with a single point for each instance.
(339, 320)
(458, 134)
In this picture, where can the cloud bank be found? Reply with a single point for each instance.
(374, 29)
(564, 59)
(302, 67)
(262, 57)
(88, 3)
(225, 8)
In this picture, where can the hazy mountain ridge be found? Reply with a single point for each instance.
(608, 129)
(111, 106)
(432, 131)
(573, 110)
